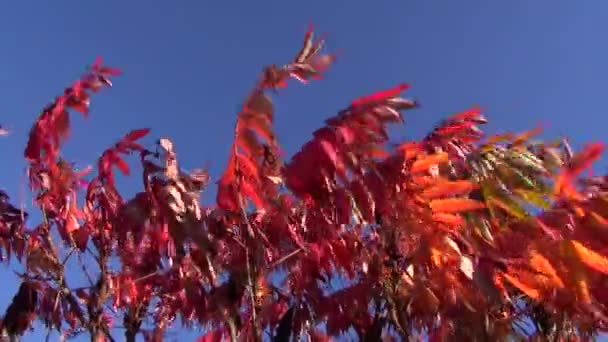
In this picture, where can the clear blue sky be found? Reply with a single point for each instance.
(188, 64)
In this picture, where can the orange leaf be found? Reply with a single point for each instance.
(523, 137)
(579, 163)
(71, 224)
(599, 219)
(424, 163)
(455, 205)
(409, 149)
(377, 152)
(450, 219)
(572, 251)
(449, 188)
(582, 288)
(525, 288)
(436, 257)
(424, 181)
(542, 265)
(499, 138)
(590, 258)
(565, 189)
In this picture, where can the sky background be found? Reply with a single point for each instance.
(188, 65)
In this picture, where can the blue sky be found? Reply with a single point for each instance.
(188, 64)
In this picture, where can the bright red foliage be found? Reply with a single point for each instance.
(458, 236)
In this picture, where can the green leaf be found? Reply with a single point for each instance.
(496, 198)
(535, 198)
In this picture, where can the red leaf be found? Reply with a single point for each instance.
(110, 71)
(584, 159)
(212, 336)
(471, 113)
(250, 191)
(380, 96)
(98, 67)
(121, 165)
(81, 237)
(226, 198)
(81, 105)
(579, 163)
(343, 206)
(137, 134)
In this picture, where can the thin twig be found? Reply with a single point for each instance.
(108, 335)
(232, 328)
(67, 257)
(48, 334)
(250, 286)
(241, 243)
(85, 270)
(284, 258)
(149, 275)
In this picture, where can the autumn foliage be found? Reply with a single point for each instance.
(459, 236)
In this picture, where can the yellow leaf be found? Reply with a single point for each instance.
(424, 163)
(533, 197)
(511, 208)
(455, 205)
(436, 257)
(590, 258)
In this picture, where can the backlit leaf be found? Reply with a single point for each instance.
(543, 265)
(449, 188)
(589, 257)
(423, 164)
(528, 289)
(451, 219)
(455, 205)
(137, 134)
